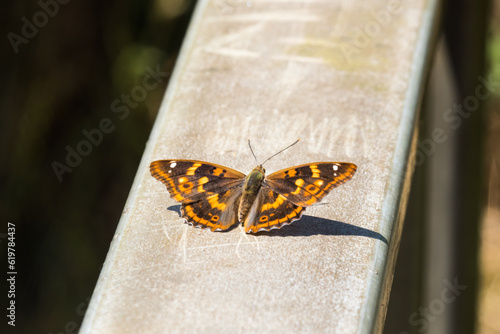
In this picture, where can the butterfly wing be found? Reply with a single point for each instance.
(307, 184)
(270, 210)
(285, 194)
(208, 192)
(217, 212)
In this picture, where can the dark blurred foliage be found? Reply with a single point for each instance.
(60, 82)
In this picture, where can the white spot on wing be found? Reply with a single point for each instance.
(173, 164)
(335, 167)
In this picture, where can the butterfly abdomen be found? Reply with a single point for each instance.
(253, 182)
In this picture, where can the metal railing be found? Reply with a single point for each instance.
(345, 77)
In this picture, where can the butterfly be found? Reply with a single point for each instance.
(218, 197)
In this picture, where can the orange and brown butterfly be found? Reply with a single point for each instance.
(218, 197)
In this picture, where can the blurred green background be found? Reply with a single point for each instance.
(55, 84)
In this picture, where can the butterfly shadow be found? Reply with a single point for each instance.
(175, 208)
(309, 225)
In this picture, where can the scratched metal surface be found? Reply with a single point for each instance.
(275, 71)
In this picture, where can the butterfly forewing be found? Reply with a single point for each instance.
(188, 180)
(307, 184)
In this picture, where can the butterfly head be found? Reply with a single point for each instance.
(260, 169)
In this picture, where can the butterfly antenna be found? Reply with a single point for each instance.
(252, 152)
(280, 151)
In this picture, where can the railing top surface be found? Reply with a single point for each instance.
(345, 77)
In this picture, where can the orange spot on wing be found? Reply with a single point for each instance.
(298, 183)
(279, 200)
(214, 202)
(192, 169)
(312, 189)
(218, 171)
(201, 182)
(315, 171)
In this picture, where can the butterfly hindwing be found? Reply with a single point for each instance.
(307, 184)
(217, 212)
(271, 210)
